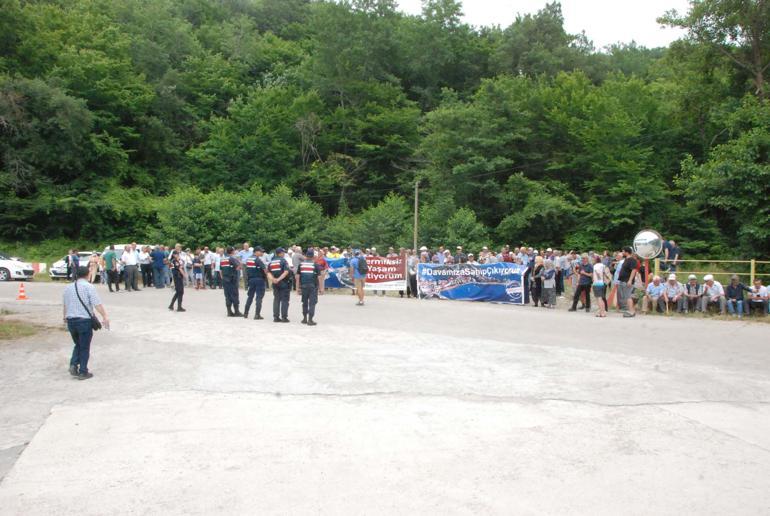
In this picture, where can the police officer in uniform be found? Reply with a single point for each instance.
(307, 286)
(255, 274)
(178, 273)
(280, 272)
(229, 265)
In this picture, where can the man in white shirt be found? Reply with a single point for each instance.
(673, 294)
(713, 294)
(130, 260)
(758, 298)
(217, 268)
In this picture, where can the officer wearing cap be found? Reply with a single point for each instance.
(307, 286)
(280, 272)
(256, 277)
(229, 265)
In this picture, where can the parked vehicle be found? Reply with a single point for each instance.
(59, 269)
(14, 269)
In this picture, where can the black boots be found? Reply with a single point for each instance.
(237, 311)
(230, 311)
(311, 322)
(304, 319)
(258, 317)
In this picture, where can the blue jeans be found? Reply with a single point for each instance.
(738, 305)
(157, 277)
(81, 332)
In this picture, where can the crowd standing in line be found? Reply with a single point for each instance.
(621, 274)
(617, 279)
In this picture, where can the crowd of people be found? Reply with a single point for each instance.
(611, 279)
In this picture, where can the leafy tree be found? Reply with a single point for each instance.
(740, 29)
(385, 224)
(734, 183)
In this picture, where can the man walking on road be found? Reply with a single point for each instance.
(80, 300)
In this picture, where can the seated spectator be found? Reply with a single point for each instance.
(673, 294)
(654, 296)
(734, 297)
(472, 259)
(713, 295)
(692, 294)
(758, 298)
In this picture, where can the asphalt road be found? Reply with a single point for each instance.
(401, 406)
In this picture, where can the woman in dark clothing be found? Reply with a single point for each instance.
(178, 273)
(537, 280)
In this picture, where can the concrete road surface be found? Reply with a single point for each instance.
(398, 407)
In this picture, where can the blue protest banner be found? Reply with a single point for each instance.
(496, 282)
(339, 274)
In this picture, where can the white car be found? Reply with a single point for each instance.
(59, 269)
(13, 269)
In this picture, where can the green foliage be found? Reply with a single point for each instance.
(284, 121)
(385, 224)
(220, 217)
(734, 183)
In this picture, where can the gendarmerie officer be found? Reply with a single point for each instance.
(229, 265)
(256, 277)
(178, 273)
(280, 272)
(307, 286)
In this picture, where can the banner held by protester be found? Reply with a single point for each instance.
(496, 282)
(384, 273)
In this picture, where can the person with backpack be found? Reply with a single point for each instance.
(358, 270)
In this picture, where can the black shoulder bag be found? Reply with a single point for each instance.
(95, 324)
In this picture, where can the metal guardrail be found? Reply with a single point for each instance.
(752, 272)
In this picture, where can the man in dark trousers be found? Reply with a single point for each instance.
(256, 277)
(307, 286)
(279, 271)
(229, 265)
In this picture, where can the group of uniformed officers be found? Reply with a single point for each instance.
(278, 274)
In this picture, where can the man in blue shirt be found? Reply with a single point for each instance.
(244, 254)
(585, 272)
(158, 262)
(358, 270)
(654, 296)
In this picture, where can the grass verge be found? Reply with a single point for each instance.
(11, 330)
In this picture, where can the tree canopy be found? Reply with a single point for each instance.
(285, 121)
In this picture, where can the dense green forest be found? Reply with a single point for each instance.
(214, 121)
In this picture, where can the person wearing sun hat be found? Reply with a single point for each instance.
(692, 294)
(713, 295)
(673, 294)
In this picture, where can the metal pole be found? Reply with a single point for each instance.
(416, 213)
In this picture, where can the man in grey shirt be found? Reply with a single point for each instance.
(78, 320)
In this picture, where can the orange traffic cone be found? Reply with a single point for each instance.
(22, 295)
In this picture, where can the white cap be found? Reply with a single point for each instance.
(692, 276)
(708, 277)
(671, 277)
(423, 248)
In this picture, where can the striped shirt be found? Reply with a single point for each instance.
(72, 306)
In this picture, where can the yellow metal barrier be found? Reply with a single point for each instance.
(752, 268)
